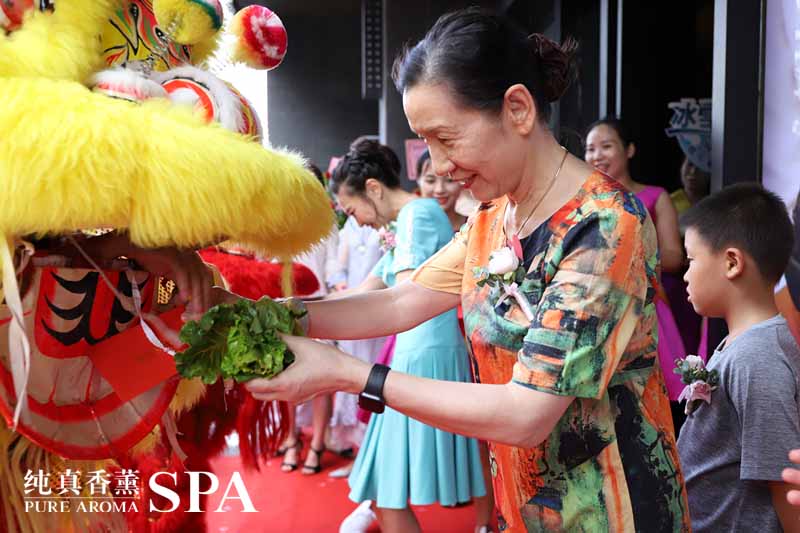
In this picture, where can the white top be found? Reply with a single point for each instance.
(323, 261)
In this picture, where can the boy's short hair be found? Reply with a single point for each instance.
(748, 217)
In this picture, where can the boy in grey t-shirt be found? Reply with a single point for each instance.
(734, 448)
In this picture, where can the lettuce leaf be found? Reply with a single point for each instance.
(238, 341)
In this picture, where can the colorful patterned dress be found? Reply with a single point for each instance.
(610, 463)
(402, 460)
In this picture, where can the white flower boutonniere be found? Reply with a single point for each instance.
(502, 262)
(700, 382)
(505, 271)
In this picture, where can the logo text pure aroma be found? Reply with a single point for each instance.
(99, 495)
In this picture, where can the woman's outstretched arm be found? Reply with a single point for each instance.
(377, 313)
(509, 413)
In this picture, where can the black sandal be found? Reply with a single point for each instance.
(281, 451)
(287, 466)
(309, 470)
(347, 453)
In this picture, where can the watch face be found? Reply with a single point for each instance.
(370, 403)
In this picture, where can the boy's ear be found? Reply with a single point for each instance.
(734, 263)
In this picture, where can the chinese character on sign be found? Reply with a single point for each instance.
(686, 112)
(69, 481)
(98, 482)
(38, 481)
(127, 483)
(691, 125)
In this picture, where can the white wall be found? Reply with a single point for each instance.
(781, 155)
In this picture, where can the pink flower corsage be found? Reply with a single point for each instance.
(700, 383)
(388, 237)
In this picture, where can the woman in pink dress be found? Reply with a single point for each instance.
(608, 148)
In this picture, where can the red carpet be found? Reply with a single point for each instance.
(308, 504)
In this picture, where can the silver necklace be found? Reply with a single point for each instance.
(515, 235)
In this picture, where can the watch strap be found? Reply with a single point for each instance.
(372, 396)
(376, 379)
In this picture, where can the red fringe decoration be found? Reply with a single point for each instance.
(260, 429)
(207, 424)
(179, 520)
(253, 279)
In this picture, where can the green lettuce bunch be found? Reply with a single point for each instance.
(238, 341)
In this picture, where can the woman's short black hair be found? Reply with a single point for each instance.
(748, 217)
(479, 54)
(366, 159)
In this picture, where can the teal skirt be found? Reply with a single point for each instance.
(404, 461)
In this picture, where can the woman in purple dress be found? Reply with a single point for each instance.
(608, 148)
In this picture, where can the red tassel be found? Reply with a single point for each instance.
(179, 520)
(260, 429)
(207, 424)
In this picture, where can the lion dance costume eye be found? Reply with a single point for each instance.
(129, 131)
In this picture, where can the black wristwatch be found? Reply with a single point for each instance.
(371, 399)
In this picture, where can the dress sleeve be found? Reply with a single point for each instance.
(444, 271)
(590, 308)
(417, 238)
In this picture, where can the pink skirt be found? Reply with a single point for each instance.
(670, 348)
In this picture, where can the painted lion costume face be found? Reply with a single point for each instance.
(111, 119)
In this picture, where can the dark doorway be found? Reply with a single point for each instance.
(667, 54)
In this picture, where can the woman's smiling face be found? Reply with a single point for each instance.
(470, 146)
(440, 188)
(369, 208)
(606, 152)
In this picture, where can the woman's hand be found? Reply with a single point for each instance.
(317, 369)
(792, 476)
(193, 278)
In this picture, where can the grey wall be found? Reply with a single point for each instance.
(314, 96)
(315, 103)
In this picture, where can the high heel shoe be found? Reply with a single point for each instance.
(281, 451)
(310, 470)
(289, 466)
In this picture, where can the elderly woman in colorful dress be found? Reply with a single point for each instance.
(557, 275)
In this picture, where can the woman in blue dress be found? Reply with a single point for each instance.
(402, 461)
